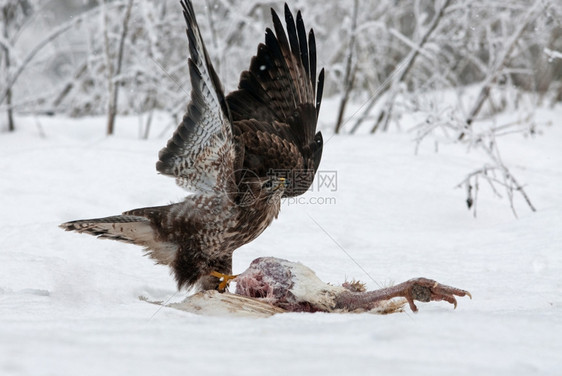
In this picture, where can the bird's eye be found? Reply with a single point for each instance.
(268, 184)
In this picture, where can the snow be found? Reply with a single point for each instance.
(69, 303)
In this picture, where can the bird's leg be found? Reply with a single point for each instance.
(422, 289)
(224, 280)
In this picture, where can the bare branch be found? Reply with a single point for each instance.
(404, 68)
(39, 46)
(501, 61)
(386, 113)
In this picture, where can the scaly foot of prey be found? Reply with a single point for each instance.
(425, 290)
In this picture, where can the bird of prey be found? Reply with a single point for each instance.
(233, 153)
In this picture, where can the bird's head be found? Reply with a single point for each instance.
(256, 190)
(274, 187)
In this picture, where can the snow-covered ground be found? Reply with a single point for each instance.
(69, 303)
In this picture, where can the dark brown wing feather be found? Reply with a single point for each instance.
(201, 154)
(275, 109)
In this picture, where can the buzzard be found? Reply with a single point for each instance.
(238, 154)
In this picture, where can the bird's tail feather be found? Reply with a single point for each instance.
(129, 229)
(125, 228)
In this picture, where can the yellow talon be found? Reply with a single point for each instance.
(224, 278)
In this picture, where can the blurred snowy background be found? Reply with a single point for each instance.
(453, 65)
(431, 107)
(70, 56)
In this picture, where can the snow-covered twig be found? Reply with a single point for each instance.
(384, 116)
(40, 45)
(500, 63)
(552, 55)
(402, 70)
(507, 180)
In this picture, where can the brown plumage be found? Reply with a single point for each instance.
(275, 108)
(239, 154)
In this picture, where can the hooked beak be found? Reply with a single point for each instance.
(282, 183)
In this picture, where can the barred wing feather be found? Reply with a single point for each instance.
(201, 153)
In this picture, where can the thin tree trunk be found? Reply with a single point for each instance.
(148, 123)
(349, 77)
(114, 86)
(70, 85)
(11, 125)
(109, 71)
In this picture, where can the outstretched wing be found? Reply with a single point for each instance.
(200, 154)
(275, 109)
